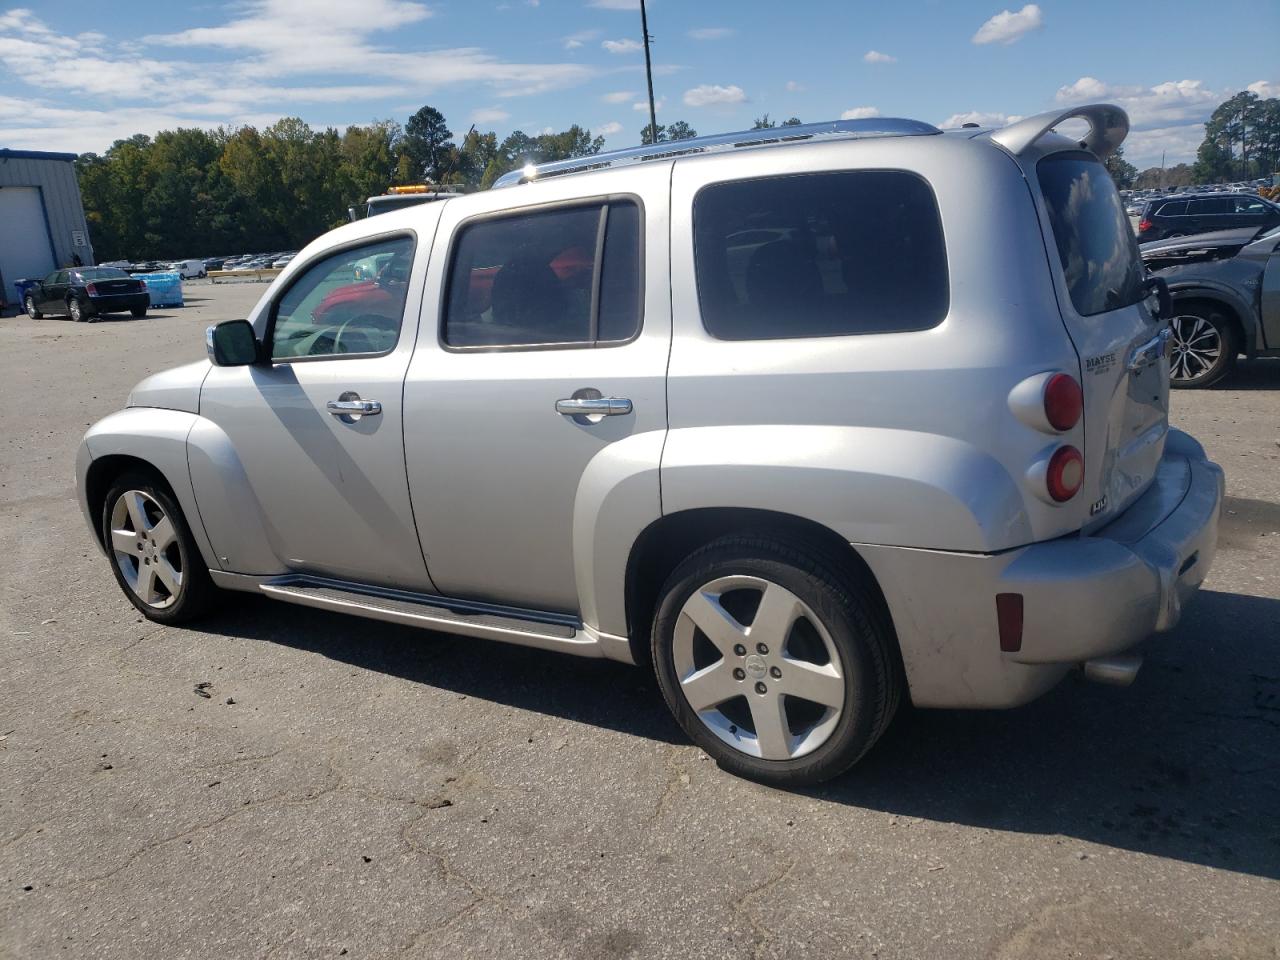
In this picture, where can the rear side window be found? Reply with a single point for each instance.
(569, 275)
(1175, 209)
(819, 255)
(1200, 208)
(1095, 242)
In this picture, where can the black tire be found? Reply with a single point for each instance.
(854, 621)
(198, 591)
(138, 312)
(1186, 371)
(76, 310)
(29, 303)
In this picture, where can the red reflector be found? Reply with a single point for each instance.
(1065, 473)
(91, 289)
(1009, 617)
(1144, 226)
(1063, 401)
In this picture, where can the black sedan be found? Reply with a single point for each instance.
(86, 292)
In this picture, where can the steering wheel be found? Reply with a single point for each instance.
(356, 335)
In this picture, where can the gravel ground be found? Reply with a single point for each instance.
(357, 789)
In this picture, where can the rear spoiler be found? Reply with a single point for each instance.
(1108, 126)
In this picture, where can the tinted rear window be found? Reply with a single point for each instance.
(1175, 209)
(1095, 242)
(102, 273)
(819, 255)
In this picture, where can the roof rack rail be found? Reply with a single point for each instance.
(829, 130)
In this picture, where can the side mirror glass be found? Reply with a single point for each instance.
(232, 343)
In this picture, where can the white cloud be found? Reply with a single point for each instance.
(1086, 88)
(860, 113)
(1008, 27)
(711, 33)
(875, 56)
(1143, 148)
(575, 40)
(608, 129)
(711, 94)
(642, 106)
(795, 86)
(489, 115)
(981, 118)
(1265, 89)
(618, 96)
(1165, 104)
(626, 45)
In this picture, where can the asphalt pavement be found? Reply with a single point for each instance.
(357, 789)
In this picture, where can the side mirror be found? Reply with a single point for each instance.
(353, 214)
(232, 343)
(1156, 287)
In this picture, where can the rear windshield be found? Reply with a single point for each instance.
(1095, 242)
(102, 273)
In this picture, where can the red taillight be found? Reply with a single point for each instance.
(1009, 619)
(1065, 473)
(1144, 225)
(1063, 402)
(91, 289)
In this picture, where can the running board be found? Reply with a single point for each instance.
(528, 628)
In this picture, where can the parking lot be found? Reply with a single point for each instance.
(356, 789)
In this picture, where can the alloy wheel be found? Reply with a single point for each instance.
(77, 312)
(30, 304)
(144, 546)
(1197, 346)
(758, 667)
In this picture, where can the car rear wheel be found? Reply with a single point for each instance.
(76, 310)
(153, 555)
(774, 661)
(1203, 349)
(30, 303)
(138, 312)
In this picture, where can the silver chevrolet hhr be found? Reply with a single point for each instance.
(810, 419)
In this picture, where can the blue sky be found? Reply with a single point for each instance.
(74, 77)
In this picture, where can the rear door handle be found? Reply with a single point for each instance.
(1151, 351)
(350, 408)
(593, 407)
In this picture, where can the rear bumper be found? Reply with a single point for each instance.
(119, 302)
(1083, 596)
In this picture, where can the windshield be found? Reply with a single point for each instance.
(102, 273)
(1095, 242)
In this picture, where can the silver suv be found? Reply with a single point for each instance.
(810, 420)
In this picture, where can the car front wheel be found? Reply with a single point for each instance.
(153, 555)
(1203, 346)
(774, 661)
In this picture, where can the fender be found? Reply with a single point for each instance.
(868, 485)
(617, 498)
(1202, 289)
(157, 437)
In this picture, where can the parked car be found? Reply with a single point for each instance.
(820, 428)
(214, 263)
(1199, 213)
(283, 261)
(83, 293)
(189, 269)
(1226, 298)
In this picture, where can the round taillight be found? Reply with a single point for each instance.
(1063, 402)
(1065, 473)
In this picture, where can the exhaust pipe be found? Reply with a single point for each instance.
(1116, 671)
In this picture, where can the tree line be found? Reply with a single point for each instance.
(193, 192)
(1241, 142)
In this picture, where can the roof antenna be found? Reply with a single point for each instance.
(648, 71)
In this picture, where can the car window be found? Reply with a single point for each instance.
(1210, 205)
(531, 278)
(1251, 206)
(819, 255)
(334, 308)
(101, 273)
(1096, 246)
(1177, 208)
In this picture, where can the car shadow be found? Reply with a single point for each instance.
(1184, 764)
(1260, 373)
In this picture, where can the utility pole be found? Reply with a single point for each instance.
(648, 72)
(1162, 153)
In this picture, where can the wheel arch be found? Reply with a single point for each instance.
(1236, 311)
(99, 476)
(668, 540)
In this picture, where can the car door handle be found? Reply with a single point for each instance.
(593, 407)
(1151, 351)
(358, 408)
